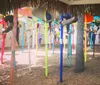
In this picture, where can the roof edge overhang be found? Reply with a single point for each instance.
(81, 2)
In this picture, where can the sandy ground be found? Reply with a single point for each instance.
(90, 76)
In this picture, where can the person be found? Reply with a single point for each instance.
(97, 36)
(9, 27)
(58, 35)
(98, 32)
(17, 33)
(92, 33)
(40, 39)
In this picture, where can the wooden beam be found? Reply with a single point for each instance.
(81, 2)
(65, 1)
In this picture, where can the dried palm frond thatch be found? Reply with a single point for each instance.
(7, 5)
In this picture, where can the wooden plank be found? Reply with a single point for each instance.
(81, 2)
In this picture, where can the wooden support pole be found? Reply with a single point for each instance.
(36, 38)
(53, 40)
(46, 46)
(69, 45)
(23, 29)
(64, 39)
(85, 35)
(33, 34)
(28, 40)
(13, 46)
(73, 41)
(61, 49)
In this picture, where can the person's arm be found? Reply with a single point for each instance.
(0, 38)
(87, 30)
(98, 32)
(9, 28)
(95, 29)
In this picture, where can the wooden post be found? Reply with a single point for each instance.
(49, 35)
(61, 49)
(33, 34)
(39, 36)
(53, 40)
(64, 39)
(85, 35)
(70, 45)
(36, 38)
(23, 29)
(73, 41)
(46, 45)
(28, 40)
(13, 46)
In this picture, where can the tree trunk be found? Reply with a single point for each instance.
(79, 67)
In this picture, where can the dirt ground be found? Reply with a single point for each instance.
(90, 76)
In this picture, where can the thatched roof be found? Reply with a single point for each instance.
(7, 5)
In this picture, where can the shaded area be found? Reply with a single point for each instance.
(91, 75)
